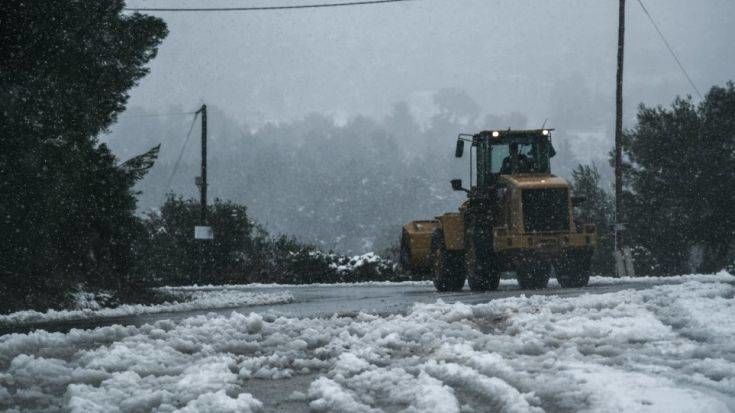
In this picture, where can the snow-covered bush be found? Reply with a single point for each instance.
(309, 265)
(365, 267)
(241, 252)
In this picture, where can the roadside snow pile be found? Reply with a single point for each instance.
(666, 348)
(504, 283)
(195, 300)
(259, 286)
(720, 276)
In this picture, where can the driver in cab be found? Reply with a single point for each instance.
(522, 162)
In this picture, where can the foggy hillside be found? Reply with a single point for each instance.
(338, 127)
(347, 186)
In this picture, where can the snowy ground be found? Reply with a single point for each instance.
(190, 300)
(213, 297)
(664, 348)
(509, 282)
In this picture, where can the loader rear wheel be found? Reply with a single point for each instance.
(481, 274)
(447, 266)
(533, 276)
(573, 270)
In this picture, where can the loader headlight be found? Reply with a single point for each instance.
(496, 134)
(545, 132)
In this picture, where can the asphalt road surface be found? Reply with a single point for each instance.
(343, 299)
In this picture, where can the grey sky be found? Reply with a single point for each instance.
(532, 59)
(541, 58)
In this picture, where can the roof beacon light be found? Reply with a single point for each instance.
(545, 132)
(496, 134)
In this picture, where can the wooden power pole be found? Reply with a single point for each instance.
(203, 181)
(623, 258)
(203, 231)
(619, 130)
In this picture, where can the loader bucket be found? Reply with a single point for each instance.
(416, 246)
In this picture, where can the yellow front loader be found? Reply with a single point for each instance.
(518, 217)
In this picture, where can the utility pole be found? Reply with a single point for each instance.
(203, 231)
(623, 258)
(619, 130)
(203, 183)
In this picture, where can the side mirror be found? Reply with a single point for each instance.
(578, 200)
(457, 185)
(460, 149)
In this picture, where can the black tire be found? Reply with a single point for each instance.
(481, 275)
(447, 266)
(533, 275)
(573, 270)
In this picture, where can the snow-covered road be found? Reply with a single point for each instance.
(313, 300)
(639, 345)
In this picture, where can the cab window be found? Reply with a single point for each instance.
(498, 153)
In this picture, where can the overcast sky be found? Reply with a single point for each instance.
(540, 58)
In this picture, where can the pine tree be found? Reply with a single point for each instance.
(67, 207)
(716, 183)
(678, 169)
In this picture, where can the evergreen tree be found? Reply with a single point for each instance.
(679, 164)
(597, 209)
(67, 208)
(716, 181)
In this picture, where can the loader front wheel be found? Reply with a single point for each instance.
(447, 266)
(481, 275)
(533, 276)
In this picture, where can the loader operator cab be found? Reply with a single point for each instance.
(519, 157)
(507, 152)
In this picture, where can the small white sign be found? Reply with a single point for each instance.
(202, 232)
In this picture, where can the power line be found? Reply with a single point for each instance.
(668, 46)
(181, 153)
(154, 115)
(265, 8)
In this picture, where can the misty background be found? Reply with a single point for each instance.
(338, 125)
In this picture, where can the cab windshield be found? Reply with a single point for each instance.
(530, 156)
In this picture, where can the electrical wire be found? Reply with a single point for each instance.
(265, 8)
(154, 115)
(668, 46)
(181, 153)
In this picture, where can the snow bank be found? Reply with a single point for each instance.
(722, 276)
(666, 348)
(505, 282)
(256, 286)
(192, 300)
